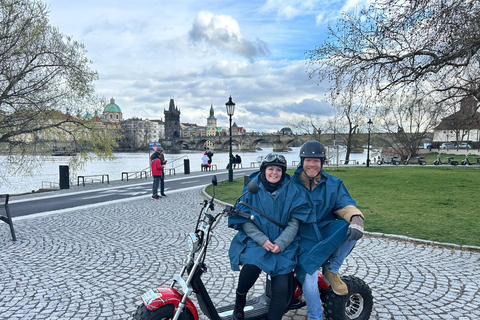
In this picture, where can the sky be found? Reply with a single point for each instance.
(201, 52)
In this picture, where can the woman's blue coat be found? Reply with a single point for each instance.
(323, 231)
(289, 201)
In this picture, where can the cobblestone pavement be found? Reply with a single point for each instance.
(95, 263)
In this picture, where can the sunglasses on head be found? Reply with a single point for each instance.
(275, 157)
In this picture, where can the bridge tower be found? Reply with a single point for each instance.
(172, 121)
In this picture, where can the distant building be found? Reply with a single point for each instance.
(112, 112)
(172, 121)
(160, 128)
(237, 131)
(211, 128)
(463, 125)
(192, 130)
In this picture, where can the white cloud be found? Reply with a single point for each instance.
(223, 32)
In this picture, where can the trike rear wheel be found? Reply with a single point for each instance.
(357, 304)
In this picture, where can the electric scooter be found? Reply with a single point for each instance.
(466, 161)
(393, 160)
(419, 160)
(450, 161)
(168, 302)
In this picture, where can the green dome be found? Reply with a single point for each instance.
(112, 107)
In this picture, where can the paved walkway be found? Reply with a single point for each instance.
(95, 263)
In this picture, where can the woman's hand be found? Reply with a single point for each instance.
(267, 245)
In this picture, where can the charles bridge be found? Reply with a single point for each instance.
(239, 142)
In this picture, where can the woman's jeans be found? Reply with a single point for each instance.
(156, 182)
(310, 285)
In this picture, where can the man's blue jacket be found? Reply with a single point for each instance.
(323, 232)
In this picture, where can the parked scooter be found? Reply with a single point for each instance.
(466, 161)
(450, 161)
(171, 303)
(419, 160)
(393, 160)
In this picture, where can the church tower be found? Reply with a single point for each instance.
(172, 121)
(211, 120)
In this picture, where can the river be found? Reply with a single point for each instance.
(47, 176)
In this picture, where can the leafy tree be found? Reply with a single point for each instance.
(46, 88)
(406, 46)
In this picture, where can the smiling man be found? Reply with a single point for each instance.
(331, 231)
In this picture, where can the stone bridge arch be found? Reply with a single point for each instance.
(279, 143)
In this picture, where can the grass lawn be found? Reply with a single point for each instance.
(438, 203)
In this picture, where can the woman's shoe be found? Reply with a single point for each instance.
(240, 301)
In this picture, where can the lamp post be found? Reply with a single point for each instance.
(230, 109)
(368, 141)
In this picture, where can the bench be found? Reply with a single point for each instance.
(92, 178)
(208, 168)
(8, 218)
(135, 173)
(254, 164)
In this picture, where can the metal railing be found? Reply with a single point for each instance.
(136, 174)
(172, 166)
(51, 185)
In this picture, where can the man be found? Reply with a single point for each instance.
(161, 156)
(334, 226)
(209, 155)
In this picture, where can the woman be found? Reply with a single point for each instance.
(157, 173)
(262, 245)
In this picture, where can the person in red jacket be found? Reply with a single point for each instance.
(157, 173)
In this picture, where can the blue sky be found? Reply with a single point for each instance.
(201, 52)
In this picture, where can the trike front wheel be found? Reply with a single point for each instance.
(164, 312)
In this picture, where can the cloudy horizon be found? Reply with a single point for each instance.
(201, 52)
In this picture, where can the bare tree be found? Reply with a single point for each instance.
(46, 85)
(350, 117)
(399, 45)
(406, 121)
(309, 125)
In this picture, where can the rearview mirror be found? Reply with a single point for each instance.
(253, 187)
(214, 180)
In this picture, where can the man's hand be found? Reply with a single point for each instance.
(355, 229)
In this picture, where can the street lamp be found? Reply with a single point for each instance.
(230, 109)
(368, 141)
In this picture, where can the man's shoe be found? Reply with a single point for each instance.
(156, 197)
(333, 279)
(164, 195)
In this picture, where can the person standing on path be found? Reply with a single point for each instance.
(161, 156)
(157, 173)
(270, 242)
(336, 226)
